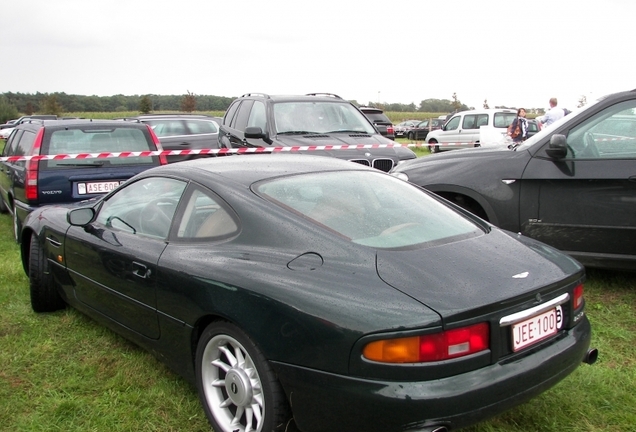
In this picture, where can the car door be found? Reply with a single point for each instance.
(450, 134)
(113, 261)
(586, 202)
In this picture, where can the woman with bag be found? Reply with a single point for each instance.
(518, 129)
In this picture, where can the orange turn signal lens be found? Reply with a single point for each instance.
(431, 347)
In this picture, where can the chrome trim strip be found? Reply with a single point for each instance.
(528, 313)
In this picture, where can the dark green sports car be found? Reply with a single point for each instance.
(308, 292)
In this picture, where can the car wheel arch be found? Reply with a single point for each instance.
(467, 199)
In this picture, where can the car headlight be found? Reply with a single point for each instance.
(400, 175)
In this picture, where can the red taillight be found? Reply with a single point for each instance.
(31, 183)
(577, 297)
(162, 158)
(390, 130)
(428, 348)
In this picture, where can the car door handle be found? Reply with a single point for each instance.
(184, 144)
(632, 178)
(140, 270)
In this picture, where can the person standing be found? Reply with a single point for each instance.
(554, 113)
(520, 120)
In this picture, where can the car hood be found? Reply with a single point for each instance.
(475, 274)
(351, 139)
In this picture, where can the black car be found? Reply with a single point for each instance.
(28, 184)
(183, 132)
(572, 185)
(380, 121)
(317, 119)
(419, 131)
(309, 288)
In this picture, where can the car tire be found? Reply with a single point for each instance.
(410, 136)
(44, 294)
(237, 387)
(433, 147)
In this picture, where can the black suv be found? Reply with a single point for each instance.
(183, 132)
(381, 122)
(25, 185)
(572, 185)
(315, 119)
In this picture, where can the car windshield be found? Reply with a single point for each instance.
(319, 117)
(369, 208)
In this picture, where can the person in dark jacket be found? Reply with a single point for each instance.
(520, 121)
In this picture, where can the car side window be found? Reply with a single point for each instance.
(470, 122)
(229, 114)
(202, 127)
(205, 217)
(609, 134)
(257, 116)
(9, 148)
(482, 120)
(243, 114)
(145, 207)
(25, 144)
(452, 123)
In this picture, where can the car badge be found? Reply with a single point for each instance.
(521, 275)
(367, 154)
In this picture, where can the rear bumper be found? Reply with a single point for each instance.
(325, 402)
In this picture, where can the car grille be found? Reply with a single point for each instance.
(380, 164)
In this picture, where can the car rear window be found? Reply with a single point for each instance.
(369, 208)
(377, 117)
(103, 140)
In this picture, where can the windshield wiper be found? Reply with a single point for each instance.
(92, 164)
(347, 131)
(298, 132)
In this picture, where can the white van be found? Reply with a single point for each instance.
(462, 130)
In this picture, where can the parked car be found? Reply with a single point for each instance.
(421, 130)
(462, 129)
(183, 132)
(289, 286)
(4, 133)
(571, 185)
(402, 128)
(316, 119)
(380, 121)
(533, 127)
(28, 184)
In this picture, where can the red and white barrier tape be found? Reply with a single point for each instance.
(243, 150)
(223, 151)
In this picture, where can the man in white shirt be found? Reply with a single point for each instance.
(553, 114)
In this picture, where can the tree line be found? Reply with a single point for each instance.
(13, 105)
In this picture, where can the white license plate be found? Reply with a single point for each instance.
(537, 328)
(97, 187)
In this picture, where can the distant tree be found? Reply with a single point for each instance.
(189, 102)
(145, 105)
(457, 105)
(7, 110)
(29, 109)
(486, 104)
(50, 105)
(582, 101)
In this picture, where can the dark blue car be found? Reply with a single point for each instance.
(28, 184)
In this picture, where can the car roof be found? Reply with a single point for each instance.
(310, 97)
(77, 123)
(247, 169)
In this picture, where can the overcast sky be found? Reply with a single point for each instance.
(511, 53)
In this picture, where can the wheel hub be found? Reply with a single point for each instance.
(238, 387)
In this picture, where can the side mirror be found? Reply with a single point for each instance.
(255, 132)
(557, 149)
(80, 216)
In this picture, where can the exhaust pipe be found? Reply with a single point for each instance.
(591, 356)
